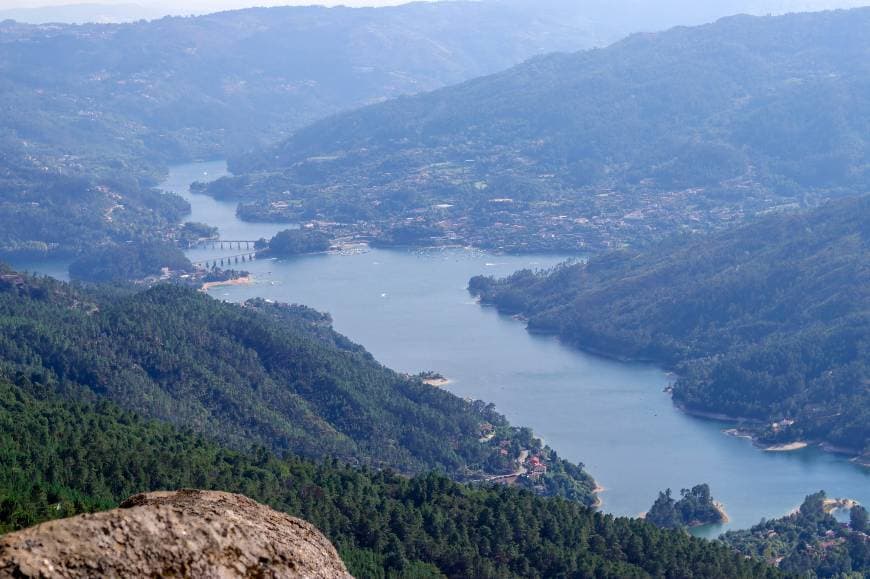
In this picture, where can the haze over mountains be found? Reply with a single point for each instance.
(684, 129)
(82, 13)
(630, 12)
(91, 114)
(250, 76)
(103, 108)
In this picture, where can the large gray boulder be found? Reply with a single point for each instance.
(173, 534)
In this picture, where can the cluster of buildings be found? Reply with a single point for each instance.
(559, 221)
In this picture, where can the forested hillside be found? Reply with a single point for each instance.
(60, 457)
(692, 128)
(811, 539)
(91, 114)
(193, 86)
(769, 322)
(266, 374)
(60, 210)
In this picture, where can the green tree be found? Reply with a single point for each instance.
(858, 518)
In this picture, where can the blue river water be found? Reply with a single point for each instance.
(411, 309)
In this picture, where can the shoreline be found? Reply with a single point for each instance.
(230, 282)
(789, 447)
(438, 382)
(599, 501)
(718, 416)
(831, 505)
(856, 457)
(720, 508)
(366, 238)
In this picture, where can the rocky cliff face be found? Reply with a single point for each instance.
(173, 534)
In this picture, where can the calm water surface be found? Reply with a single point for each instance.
(412, 311)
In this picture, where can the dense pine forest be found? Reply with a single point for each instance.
(266, 374)
(72, 357)
(49, 209)
(59, 457)
(770, 321)
(129, 261)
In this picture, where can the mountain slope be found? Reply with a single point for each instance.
(196, 85)
(770, 321)
(111, 105)
(689, 128)
(91, 114)
(62, 457)
(51, 210)
(265, 374)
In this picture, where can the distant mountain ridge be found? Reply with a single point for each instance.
(81, 13)
(111, 105)
(684, 129)
(91, 114)
(196, 85)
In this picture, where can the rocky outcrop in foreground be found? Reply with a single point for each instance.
(174, 534)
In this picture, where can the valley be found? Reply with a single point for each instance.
(412, 310)
(479, 289)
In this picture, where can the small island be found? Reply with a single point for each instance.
(695, 508)
(291, 242)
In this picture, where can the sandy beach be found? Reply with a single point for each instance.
(832, 505)
(230, 282)
(792, 446)
(721, 508)
(437, 382)
(599, 502)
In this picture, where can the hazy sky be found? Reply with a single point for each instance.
(198, 5)
(205, 6)
(217, 5)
